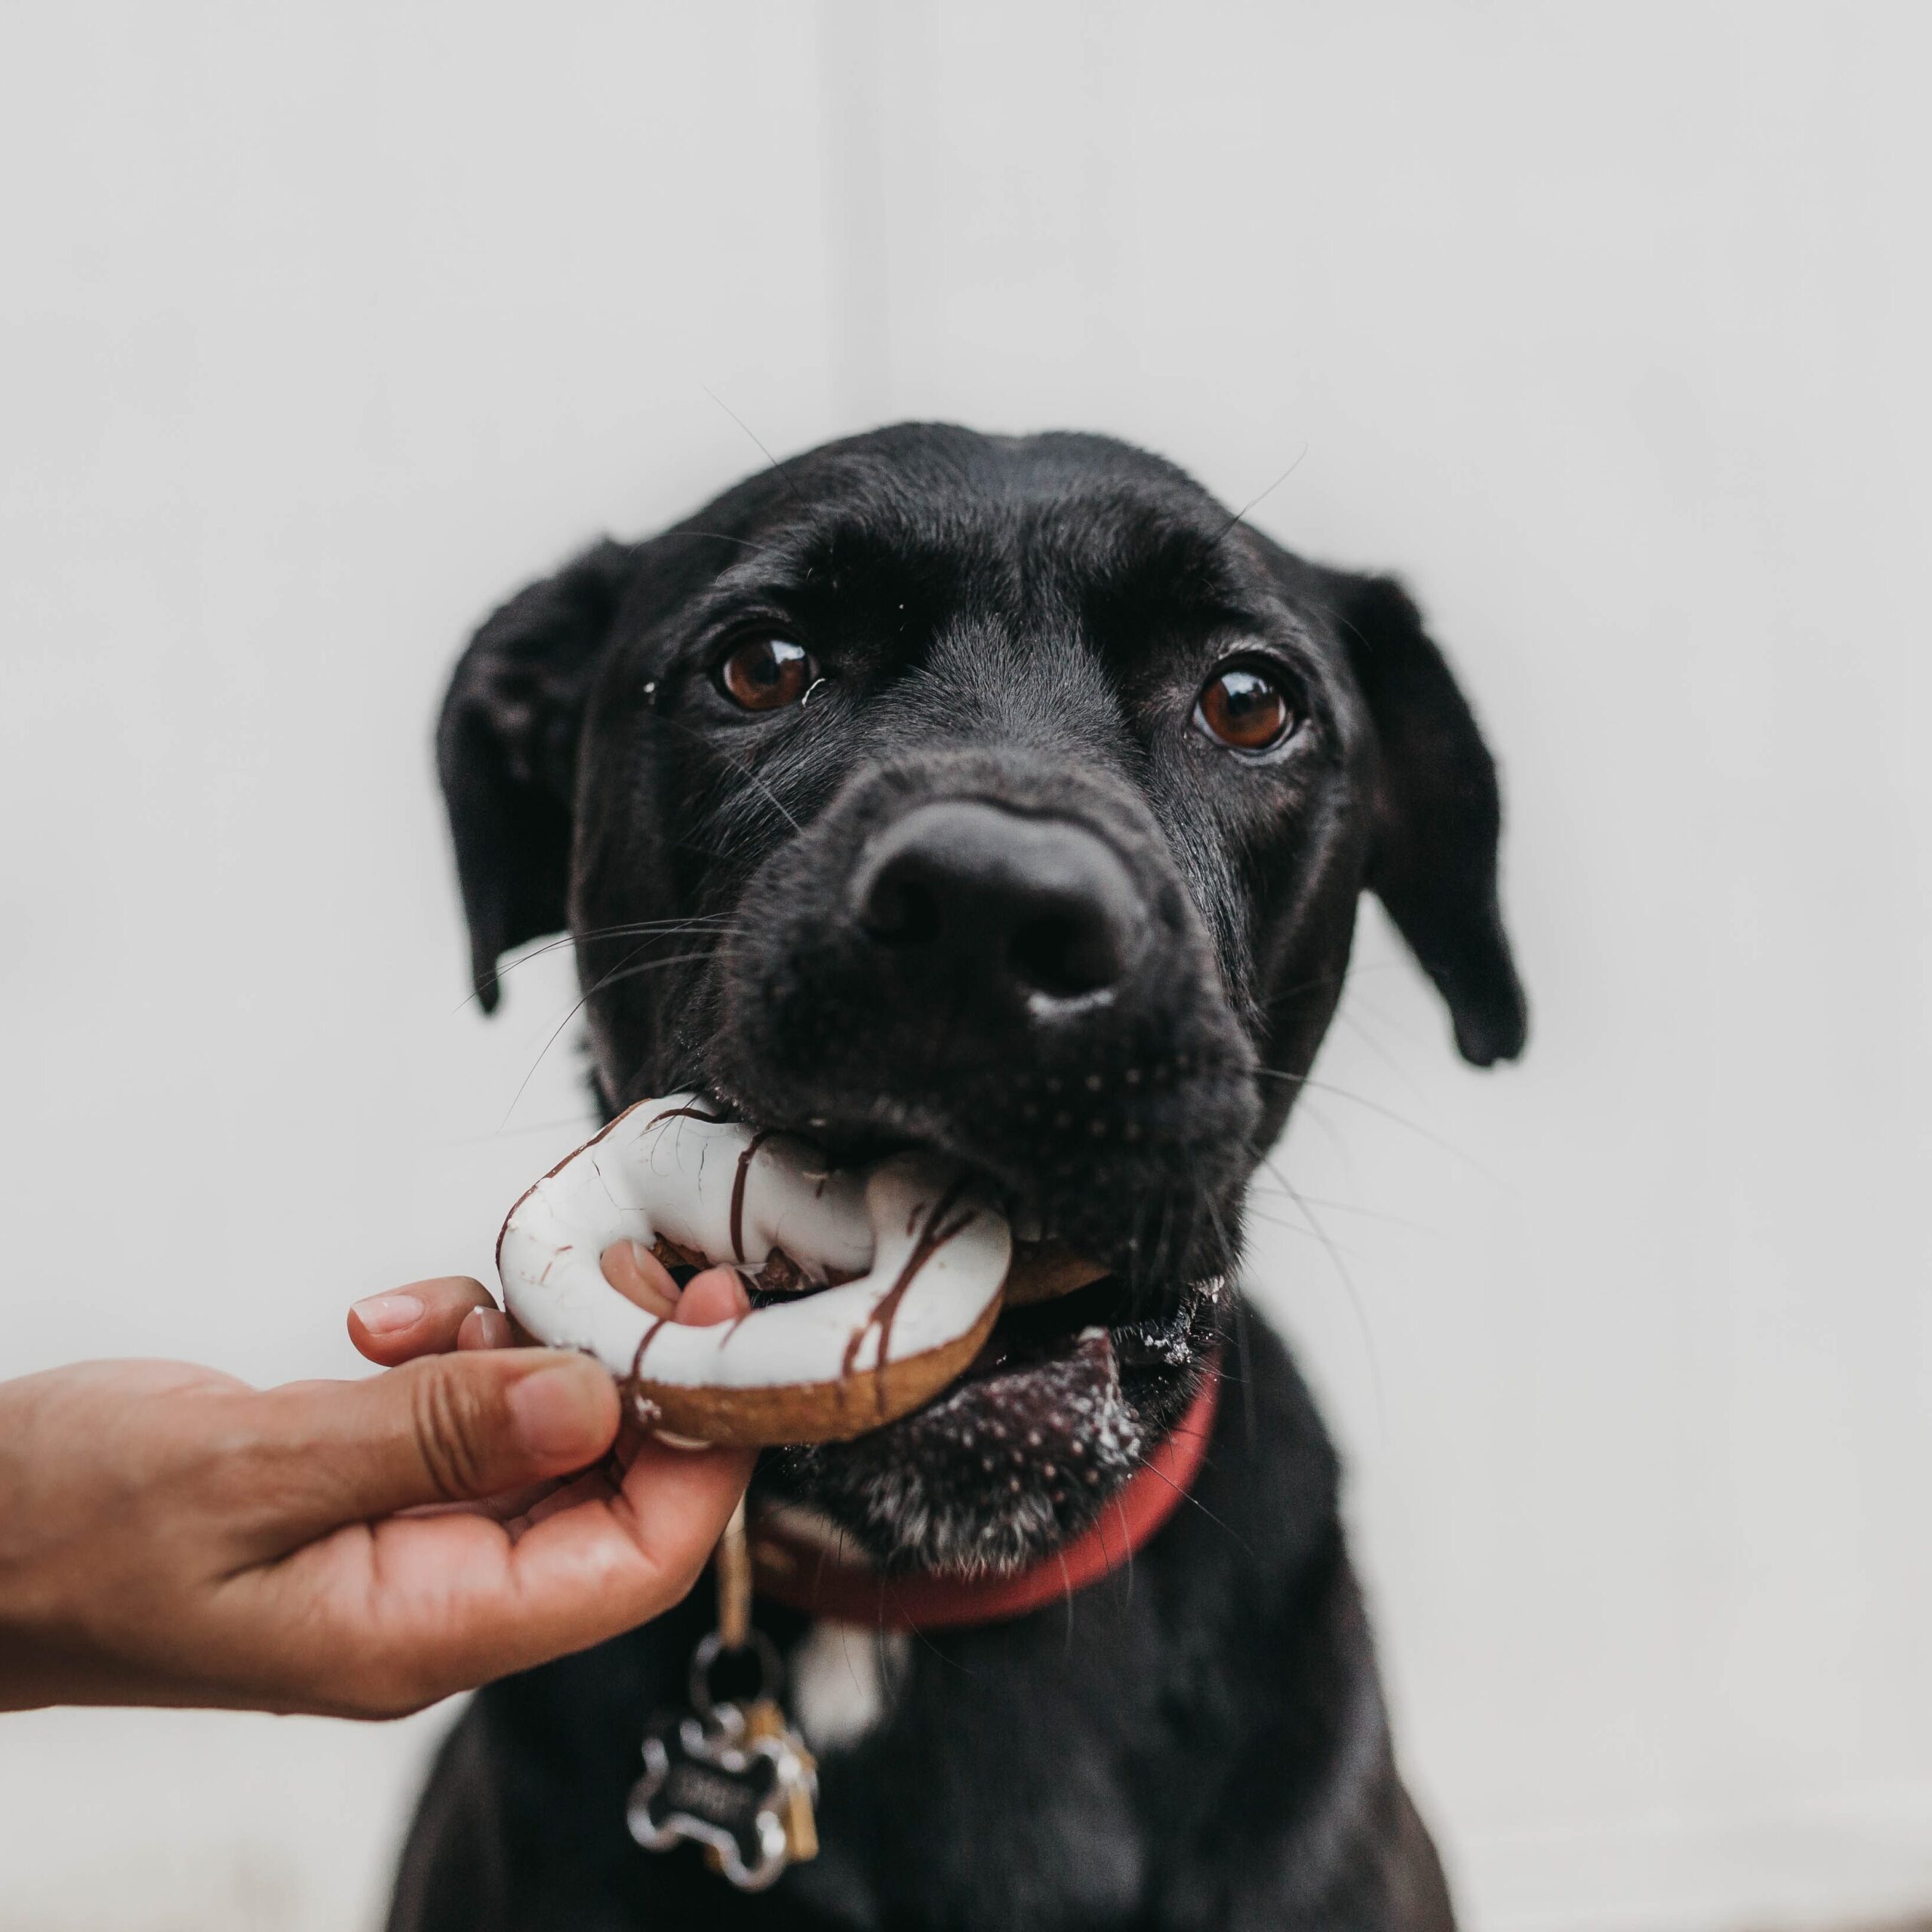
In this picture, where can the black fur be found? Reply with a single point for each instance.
(1012, 633)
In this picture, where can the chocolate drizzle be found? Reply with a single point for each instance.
(884, 1311)
(738, 1181)
(649, 1336)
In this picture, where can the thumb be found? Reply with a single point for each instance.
(447, 1429)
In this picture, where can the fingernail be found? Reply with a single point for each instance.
(652, 1273)
(484, 1328)
(383, 1314)
(554, 1411)
(716, 1295)
(639, 1276)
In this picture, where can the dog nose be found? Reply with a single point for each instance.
(965, 892)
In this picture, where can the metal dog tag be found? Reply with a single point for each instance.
(711, 1784)
(798, 1788)
(735, 1779)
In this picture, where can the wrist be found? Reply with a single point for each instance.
(56, 1522)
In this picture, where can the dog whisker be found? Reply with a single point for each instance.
(744, 771)
(584, 999)
(1256, 503)
(616, 979)
(1250, 1429)
(1307, 1083)
(1350, 973)
(1244, 1349)
(1305, 1233)
(720, 922)
(784, 475)
(1363, 1012)
(1188, 1496)
(1355, 1208)
(725, 537)
(1382, 1053)
(1354, 1295)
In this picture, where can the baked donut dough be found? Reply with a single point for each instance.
(891, 1275)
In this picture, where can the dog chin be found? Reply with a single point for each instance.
(1023, 1453)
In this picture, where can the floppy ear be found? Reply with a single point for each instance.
(506, 751)
(1437, 814)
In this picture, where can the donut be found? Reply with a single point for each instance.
(883, 1282)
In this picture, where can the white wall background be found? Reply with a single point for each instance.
(323, 327)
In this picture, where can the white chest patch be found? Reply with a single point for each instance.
(843, 1678)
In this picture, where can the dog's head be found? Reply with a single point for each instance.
(1003, 796)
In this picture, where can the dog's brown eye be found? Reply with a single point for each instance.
(766, 673)
(1245, 709)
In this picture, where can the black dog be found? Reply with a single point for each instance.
(1008, 797)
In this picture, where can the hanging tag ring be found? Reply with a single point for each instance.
(727, 1713)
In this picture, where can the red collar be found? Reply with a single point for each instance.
(804, 1576)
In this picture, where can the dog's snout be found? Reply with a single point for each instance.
(961, 891)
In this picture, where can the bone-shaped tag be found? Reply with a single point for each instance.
(709, 1784)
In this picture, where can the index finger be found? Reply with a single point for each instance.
(422, 1319)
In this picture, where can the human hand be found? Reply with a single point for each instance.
(170, 1536)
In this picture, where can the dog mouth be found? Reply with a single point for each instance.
(1043, 1403)
(1022, 1450)
(1077, 1378)
(1038, 1333)
(1056, 1326)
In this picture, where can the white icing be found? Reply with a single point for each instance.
(651, 1174)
